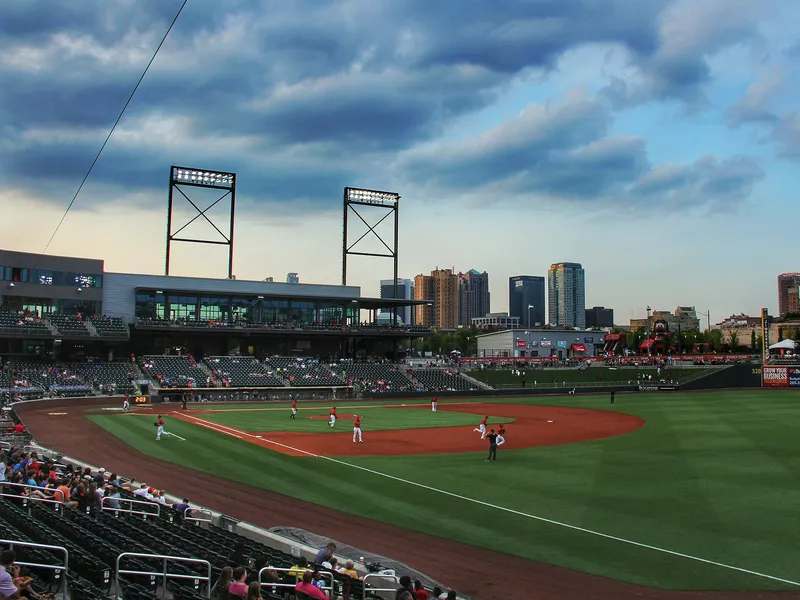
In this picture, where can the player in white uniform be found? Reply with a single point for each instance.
(482, 427)
(160, 425)
(501, 432)
(333, 417)
(126, 404)
(357, 430)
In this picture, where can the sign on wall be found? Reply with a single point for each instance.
(775, 376)
(521, 343)
(141, 400)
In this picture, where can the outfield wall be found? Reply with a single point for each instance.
(735, 376)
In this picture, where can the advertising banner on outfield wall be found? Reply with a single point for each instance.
(775, 376)
(794, 377)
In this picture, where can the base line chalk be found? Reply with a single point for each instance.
(240, 434)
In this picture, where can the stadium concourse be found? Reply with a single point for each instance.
(96, 537)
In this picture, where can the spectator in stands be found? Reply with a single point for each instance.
(100, 478)
(325, 553)
(64, 495)
(451, 595)
(419, 592)
(403, 594)
(143, 493)
(405, 585)
(220, 591)
(307, 587)
(349, 569)
(183, 508)
(10, 582)
(238, 587)
(254, 591)
(300, 568)
(437, 593)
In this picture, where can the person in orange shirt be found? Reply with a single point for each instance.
(62, 494)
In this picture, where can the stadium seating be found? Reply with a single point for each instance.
(109, 326)
(242, 371)
(23, 324)
(441, 380)
(175, 371)
(304, 372)
(96, 536)
(57, 380)
(111, 378)
(377, 378)
(68, 325)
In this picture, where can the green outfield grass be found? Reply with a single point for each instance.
(711, 475)
(374, 419)
(592, 375)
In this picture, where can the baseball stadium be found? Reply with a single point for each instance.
(183, 437)
(617, 477)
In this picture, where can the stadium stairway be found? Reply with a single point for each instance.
(474, 381)
(90, 328)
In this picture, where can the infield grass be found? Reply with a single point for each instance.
(712, 475)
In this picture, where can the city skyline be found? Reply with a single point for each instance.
(675, 128)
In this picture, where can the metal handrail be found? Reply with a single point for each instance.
(327, 589)
(130, 510)
(195, 511)
(377, 589)
(56, 568)
(165, 573)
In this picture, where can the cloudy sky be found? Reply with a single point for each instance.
(656, 142)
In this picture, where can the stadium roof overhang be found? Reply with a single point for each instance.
(388, 303)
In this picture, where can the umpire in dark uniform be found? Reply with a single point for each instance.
(492, 437)
(613, 396)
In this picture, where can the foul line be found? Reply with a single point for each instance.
(239, 434)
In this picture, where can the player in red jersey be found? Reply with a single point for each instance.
(160, 425)
(482, 427)
(434, 402)
(357, 430)
(294, 409)
(333, 417)
(501, 435)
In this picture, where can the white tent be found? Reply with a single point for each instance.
(784, 345)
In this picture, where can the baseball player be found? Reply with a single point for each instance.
(160, 425)
(434, 402)
(501, 435)
(294, 409)
(357, 430)
(126, 404)
(482, 427)
(333, 417)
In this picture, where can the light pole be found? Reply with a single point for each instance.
(647, 331)
(530, 322)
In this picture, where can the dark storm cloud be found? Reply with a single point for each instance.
(302, 98)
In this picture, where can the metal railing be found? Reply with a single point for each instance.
(325, 588)
(27, 500)
(164, 574)
(57, 569)
(197, 511)
(373, 590)
(119, 509)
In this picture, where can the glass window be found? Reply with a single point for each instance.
(330, 313)
(246, 310)
(215, 309)
(146, 305)
(304, 312)
(182, 307)
(274, 311)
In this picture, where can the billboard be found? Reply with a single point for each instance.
(780, 377)
(764, 336)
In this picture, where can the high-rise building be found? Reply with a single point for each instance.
(599, 316)
(405, 291)
(473, 296)
(793, 301)
(292, 278)
(440, 289)
(269, 279)
(566, 295)
(786, 281)
(526, 300)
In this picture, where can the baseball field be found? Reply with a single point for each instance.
(670, 491)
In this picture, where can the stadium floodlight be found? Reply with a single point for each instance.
(390, 201)
(181, 177)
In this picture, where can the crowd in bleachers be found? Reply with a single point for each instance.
(442, 380)
(30, 379)
(304, 372)
(241, 371)
(63, 324)
(278, 325)
(378, 378)
(175, 371)
(98, 515)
